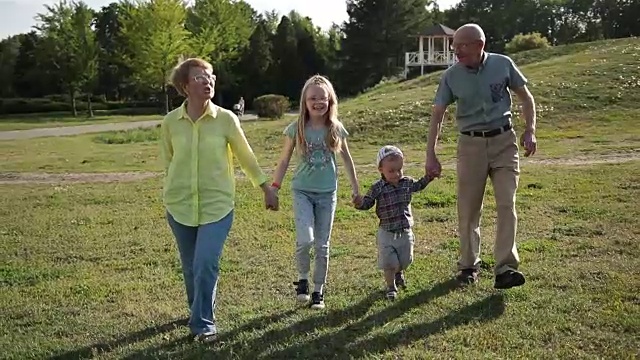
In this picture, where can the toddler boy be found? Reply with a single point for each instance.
(392, 196)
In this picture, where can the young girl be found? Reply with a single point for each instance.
(317, 136)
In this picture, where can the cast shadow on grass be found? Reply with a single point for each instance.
(105, 347)
(351, 341)
(290, 342)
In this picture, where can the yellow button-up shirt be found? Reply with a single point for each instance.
(199, 184)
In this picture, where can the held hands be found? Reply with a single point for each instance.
(529, 142)
(433, 168)
(271, 198)
(356, 199)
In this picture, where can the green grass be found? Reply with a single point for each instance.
(128, 136)
(35, 121)
(91, 270)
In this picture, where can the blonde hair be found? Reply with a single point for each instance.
(334, 138)
(180, 74)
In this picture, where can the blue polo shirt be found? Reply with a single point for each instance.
(483, 95)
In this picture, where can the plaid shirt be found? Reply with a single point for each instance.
(393, 202)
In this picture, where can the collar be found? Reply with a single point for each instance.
(211, 110)
(385, 182)
(482, 64)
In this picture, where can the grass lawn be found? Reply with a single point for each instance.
(35, 121)
(91, 269)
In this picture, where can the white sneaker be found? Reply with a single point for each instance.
(317, 301)
(207, 337)
(302, 290)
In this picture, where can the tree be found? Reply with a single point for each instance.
(156, 38)
(86, 62)
(220, 32)
(69, 44)
(29, 70)
(308, 39)
(114, 72)
(376, 35)
(271, 18)
(255, 63)
(286, 67)
(9, 50)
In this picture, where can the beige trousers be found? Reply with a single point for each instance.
(497, 158)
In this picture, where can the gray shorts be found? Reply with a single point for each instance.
(395, 250)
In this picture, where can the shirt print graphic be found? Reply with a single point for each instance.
(318, 156)
(497, 91)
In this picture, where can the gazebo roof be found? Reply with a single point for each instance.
(437, 30)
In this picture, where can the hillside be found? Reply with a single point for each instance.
(578, 88)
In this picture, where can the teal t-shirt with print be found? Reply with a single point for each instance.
(316, 170)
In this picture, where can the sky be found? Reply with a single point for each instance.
(17, 16)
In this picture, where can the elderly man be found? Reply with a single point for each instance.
(487, 147)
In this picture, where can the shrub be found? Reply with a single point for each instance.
(530, 41)
(271, 106)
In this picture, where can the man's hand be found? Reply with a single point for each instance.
(432, 168)
(528, 141)
(356, 199)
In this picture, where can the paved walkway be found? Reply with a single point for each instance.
(92, 128)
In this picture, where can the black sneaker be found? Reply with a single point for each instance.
(317, 300)
(467, 276)
(400, 282)
(392, 293)
(509, 279)
(302, 290)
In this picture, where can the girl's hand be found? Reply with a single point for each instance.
(271, 201)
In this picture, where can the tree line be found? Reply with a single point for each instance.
(124, 52)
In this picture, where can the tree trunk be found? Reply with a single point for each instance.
(73, 103)
(89, 105)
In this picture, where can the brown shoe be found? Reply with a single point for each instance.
(467, 276)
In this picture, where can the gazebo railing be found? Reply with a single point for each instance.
(433, 58)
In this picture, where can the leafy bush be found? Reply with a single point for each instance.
(271, 106)
(530, 41)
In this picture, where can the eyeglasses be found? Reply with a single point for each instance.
(461, 46)
(204, 79)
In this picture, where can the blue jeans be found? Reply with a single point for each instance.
(200, 250)
(314, 214)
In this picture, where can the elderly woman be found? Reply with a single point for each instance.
(199, 140)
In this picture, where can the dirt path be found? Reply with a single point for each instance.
(51, 178)
(8, 178)
(92, 128)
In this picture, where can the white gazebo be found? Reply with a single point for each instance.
(438, 52)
